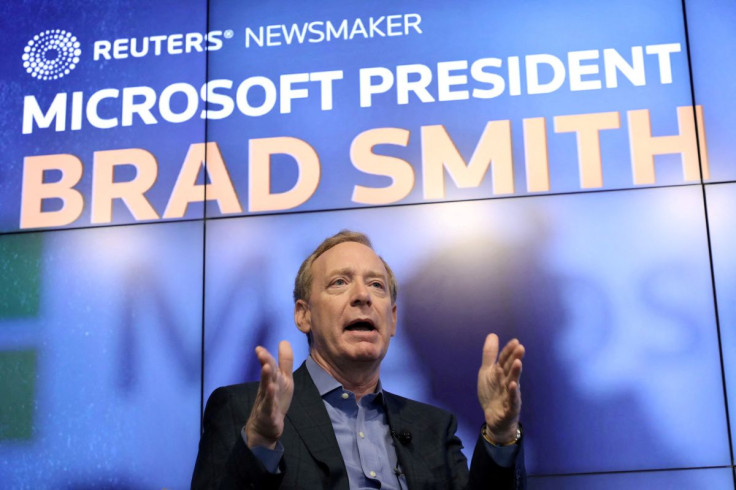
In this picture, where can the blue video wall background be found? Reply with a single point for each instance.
(561, 173)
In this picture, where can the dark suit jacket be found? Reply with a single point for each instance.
(430, 460)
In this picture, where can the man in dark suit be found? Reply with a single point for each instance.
(330, 424)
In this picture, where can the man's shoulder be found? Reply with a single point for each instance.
(233, 393)
(240, 387)
(247, 391)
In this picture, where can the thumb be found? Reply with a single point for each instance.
(286, 358)
(490, 350)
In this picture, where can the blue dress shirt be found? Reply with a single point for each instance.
(363, 435)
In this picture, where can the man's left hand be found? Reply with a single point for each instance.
(499, 391)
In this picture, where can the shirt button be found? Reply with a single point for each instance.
(373, 474)
(345, 396)
(362, 436)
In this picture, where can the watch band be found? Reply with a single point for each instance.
(486, 436)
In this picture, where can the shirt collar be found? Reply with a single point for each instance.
(324, 381)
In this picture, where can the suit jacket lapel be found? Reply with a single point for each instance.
(413, 456)
(308, 416)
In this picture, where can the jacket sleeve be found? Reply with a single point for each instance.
(223, 460)
(485, 473)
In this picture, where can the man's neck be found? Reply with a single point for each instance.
(359, 378)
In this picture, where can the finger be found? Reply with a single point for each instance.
(264, 401)
(266, 377)
(265, 357)
(507, 351)
(268, 367)
(515, 354)
(514, 373)
(514, 398)
(490, 350)
(286, 358)
(512, 367)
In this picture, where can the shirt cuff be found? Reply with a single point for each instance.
(269, 458)
(503, 456)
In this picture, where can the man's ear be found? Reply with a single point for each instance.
(302, 316)
(393, 319)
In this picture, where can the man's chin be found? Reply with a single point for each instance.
(365, 352)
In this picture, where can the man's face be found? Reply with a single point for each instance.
(349, 310)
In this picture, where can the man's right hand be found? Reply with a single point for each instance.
(266, 421)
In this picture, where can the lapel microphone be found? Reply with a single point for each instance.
(404, 436)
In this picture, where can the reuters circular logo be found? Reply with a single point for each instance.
(51, 54)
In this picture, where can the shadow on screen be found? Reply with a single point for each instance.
(472, 288)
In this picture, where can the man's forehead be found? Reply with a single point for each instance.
(350, 256)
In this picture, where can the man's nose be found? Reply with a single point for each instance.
(360, 294)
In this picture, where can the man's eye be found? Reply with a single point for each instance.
(376, 284)
(339, 282)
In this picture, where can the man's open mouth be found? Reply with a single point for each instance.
(360, 326)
